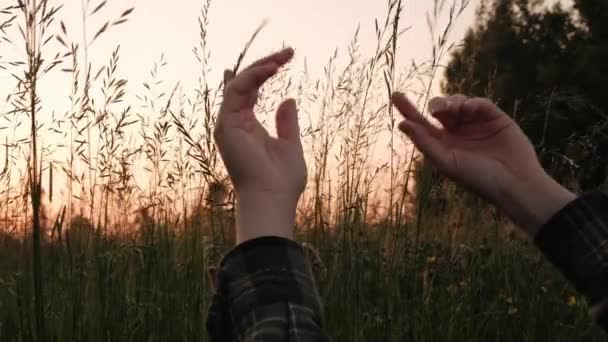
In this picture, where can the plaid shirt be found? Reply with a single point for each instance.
(265, 289)
(575, 240)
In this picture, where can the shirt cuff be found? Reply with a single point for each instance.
(575, 240)
(259, 273)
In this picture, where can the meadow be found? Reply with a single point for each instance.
(398, 254)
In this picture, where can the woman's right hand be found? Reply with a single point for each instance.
(484, 150)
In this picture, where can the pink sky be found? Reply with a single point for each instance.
(313, 27)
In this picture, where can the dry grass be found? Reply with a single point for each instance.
(122, 260)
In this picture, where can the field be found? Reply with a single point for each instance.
(399, 254)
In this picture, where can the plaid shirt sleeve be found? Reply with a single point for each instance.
(265, 291)
(575, 240)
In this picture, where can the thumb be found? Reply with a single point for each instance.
(481, 109)
(287, 121)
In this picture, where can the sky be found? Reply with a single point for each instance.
(315, 28)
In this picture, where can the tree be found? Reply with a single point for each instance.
(544, 65)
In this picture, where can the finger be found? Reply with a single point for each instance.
(448, 110)
(287, 124)
(480, 109)
(242, 90)
(250, 80)
(228, 76)
(430, 146)
(437, 104)
(410, 112)
(280, 58)
(455, 103)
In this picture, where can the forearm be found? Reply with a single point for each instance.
(532, 202)
(571, 231)
(261, 214)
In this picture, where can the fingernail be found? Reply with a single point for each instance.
(228, 75)
(405, 127)
(288, 52)
(437, 104)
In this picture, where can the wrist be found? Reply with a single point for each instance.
(260, 213)
(532, 202)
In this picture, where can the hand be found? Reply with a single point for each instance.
(484, 150)
(268, 174)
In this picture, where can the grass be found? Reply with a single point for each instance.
(400, 256)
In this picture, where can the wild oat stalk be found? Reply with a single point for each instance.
(243, 53)
(37, 17)
(440, 47)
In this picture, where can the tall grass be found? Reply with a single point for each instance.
(397, 255)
